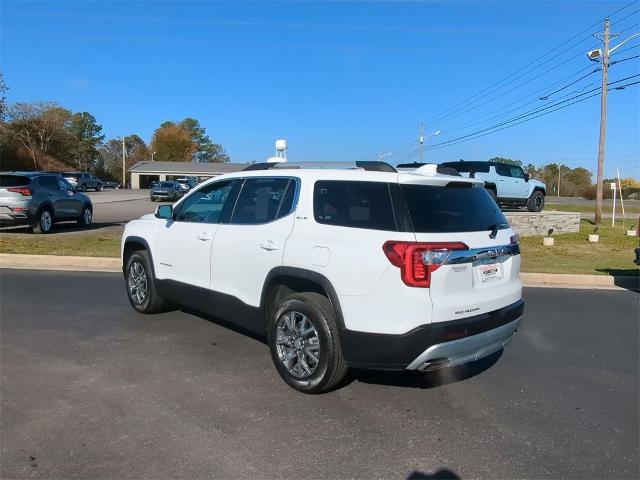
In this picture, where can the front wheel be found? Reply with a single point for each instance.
(304, 343)
(99, 188)
(141, 288)
(536, 201)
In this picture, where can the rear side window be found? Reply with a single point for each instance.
(14, 180)
(503, 169)
(263, 200)
(353, 204)
(457, 207)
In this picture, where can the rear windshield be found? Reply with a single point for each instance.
(457, 207)
(13, 180)
(166, 185)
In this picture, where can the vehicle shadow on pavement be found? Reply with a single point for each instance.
(628, 278)
(437, 378)
(231, 326)
(442, 474)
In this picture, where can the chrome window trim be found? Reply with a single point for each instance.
(473, 254)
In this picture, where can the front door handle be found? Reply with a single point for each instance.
(269, 245)
(203, 236)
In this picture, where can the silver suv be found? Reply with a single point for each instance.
(41, 199)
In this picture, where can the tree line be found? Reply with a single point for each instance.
(48, 136)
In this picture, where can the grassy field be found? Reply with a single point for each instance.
(572, 253)
(90, 244)
(588, 209)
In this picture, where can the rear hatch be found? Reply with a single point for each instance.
(14, 192)
(472, 255)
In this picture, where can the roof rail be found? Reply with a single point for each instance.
(369, 166)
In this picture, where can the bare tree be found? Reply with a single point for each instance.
(36, 125)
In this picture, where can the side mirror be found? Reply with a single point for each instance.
(165, 212)
(526, 177)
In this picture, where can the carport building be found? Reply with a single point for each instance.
(143, 173)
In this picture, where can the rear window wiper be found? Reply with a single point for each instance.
(495, 227)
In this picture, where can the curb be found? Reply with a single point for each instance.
(109, 264)
(60, 262)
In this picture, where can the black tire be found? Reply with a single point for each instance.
(83, 187)
(99, 187)
(536, 201)
(43, 221)
(86, 217)
(331, 368)
(151, 301)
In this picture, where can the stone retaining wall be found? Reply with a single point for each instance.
(539, 223)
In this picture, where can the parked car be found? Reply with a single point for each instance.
(83, 181)
(40, 200)
(508, 184)
(169, 190)
(187, 183)
(364, 267)
(110, 185)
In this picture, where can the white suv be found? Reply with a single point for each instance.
(340, 267)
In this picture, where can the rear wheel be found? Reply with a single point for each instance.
(304, 343)
(536, 201)
(99, 187)
(44, 221)
(83, 187)
(141, 287)
(86, 217)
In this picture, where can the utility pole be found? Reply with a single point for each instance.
(603, 121)
(558, 180)
(421, 140)
(124, 171)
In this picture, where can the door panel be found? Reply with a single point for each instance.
(252, 243)
(184, 243)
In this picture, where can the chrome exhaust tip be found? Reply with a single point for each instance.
(435, 364)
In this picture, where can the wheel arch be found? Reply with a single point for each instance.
(539, 189)
(283, 281)
(491, 186)
(134, 244)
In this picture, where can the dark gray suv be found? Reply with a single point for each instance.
(40, 199)
(83, 181)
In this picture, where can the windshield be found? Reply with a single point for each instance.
(166, 185)
(457, 207)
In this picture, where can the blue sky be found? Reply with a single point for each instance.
(339, 80)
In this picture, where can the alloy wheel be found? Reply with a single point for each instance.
(297, 344)
(87, 217)
(137, 283)
(46, 221)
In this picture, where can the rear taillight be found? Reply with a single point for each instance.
(418, 260)
(21, 190)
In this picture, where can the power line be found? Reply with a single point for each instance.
(492, 86)
(473, 136)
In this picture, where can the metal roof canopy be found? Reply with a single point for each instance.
(187, 167)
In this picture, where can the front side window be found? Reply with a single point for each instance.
(353, 204)
(64, 185)
(205, 204)
(516, 172)
(264, 200)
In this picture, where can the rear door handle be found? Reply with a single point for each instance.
(203, 236)
(269, 245)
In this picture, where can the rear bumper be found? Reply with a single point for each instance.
(21, 217)
(456, 341)
(464, 350)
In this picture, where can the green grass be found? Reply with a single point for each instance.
(573, 253)
(589, 209)
(90, 244)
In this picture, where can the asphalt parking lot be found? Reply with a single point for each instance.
(91, 389)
